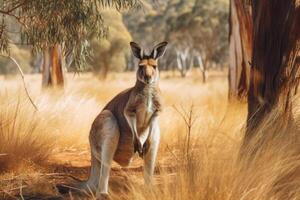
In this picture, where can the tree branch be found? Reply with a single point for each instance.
(8, 12)
(23, 79)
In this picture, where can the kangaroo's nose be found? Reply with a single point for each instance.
(147, 78)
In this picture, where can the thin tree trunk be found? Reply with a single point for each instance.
(240, 44)
(274, 70)
(52, 67)
(104, 70)
(46, 69)
(57, 70)
(205, 66)
(183, 62)
(202, 66)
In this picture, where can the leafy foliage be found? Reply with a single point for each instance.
(110, 53)
(194, 24)
(67, 22)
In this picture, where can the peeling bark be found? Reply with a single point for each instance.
(52, 67)
(276, 44)
(240, 44)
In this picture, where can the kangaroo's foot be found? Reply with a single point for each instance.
(103, 196)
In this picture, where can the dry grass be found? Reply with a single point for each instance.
(198, 157)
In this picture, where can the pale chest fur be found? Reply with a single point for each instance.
(145, 103)
(144, 111)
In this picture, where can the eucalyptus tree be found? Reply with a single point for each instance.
(56, 27)
(110, 53)
(274, 69)
(204, 31)
(240, 45)
(195, 28)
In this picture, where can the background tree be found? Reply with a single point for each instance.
(196, 29)
(109, 53)
(52, 68)
(44, 25)
(206, 30)
(274, 72)
(240, 48)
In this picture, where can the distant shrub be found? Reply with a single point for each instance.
(110, 53)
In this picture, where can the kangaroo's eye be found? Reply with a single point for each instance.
(154, 66)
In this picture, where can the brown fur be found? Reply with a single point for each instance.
(127, 124)
(135, 99)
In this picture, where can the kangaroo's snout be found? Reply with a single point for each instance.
(149, 71)
(147, 78)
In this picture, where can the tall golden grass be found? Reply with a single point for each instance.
(268, 168)
(199, 156)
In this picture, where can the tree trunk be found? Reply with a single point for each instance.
(276, 44)
(202, 66)
(240, 44)
(183, 62)
(205, 66)
(52, 67)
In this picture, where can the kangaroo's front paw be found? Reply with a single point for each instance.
(141, 149)
(138, 147)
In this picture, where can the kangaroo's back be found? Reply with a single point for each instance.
(116, 106)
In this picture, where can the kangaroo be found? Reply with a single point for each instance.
(128, 124)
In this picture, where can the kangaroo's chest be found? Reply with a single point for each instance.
(144, 111)
(142, 106)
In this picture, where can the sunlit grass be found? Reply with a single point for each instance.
(201, 132)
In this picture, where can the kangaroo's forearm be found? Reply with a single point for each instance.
(131, 120)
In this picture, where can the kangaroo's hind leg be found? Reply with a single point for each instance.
(104, 138)
(151, 152)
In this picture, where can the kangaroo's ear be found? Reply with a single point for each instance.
(136, 50)
(159, 50)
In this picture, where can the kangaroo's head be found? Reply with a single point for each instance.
(148, 72)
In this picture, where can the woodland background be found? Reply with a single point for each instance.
(229, 79)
